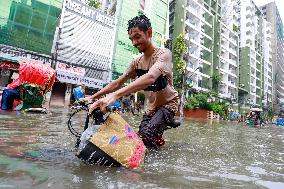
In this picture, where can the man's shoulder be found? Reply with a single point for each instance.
(164, 52)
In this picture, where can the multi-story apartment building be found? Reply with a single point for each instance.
(229, 56)
(271, 14)
(197, 20)
(156, 11)
(229, 39)
(212, 45)
(252, 56)
(229, 63)
(267, 72)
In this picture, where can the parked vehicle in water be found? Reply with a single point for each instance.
(254, 118)
(35, 80)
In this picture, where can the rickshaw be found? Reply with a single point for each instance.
(36, 79)
(254, 117)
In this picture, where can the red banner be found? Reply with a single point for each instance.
(9, 65)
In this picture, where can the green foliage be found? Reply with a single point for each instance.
(270, 113)
(94, 3)
(236, 28)
(180, 48)
(178, 80)
(140, 96)
(216, 78)
(200, 100)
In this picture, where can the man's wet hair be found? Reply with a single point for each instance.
(141, 21)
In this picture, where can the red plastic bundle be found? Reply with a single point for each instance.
(37, 74)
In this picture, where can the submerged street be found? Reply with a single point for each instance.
(37, 151)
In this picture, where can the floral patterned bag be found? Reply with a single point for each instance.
(117, 139)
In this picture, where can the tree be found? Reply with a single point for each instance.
(216, 78)
(180, 49)
(113, 7)
(94, 3)
(270, 113)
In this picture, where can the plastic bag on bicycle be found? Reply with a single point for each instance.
(114, 143)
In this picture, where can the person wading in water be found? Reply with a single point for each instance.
(153, 74)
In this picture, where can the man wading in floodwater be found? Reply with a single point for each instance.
(153, 73)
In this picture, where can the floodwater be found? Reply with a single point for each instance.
(37, 151)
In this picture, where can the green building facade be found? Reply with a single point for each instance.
(255, 58)
(29, 24)
(201, 26)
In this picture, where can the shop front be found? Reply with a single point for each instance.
(9, 58)
(68, 78)
(9, 63)
(7, 70)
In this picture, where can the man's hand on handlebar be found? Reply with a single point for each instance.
(103, 103)
(88, 99)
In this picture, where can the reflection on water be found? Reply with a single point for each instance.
(36, 151)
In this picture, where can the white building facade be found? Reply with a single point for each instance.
(254, 55)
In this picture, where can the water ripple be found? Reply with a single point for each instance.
(198, 154)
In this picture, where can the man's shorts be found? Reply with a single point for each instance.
(153, 126)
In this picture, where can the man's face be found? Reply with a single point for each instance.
(140, 39)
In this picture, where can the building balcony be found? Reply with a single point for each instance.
(200, 5)
(197, 17)
(224, 95)
(196, 29)
(192, 10)
(203, 75)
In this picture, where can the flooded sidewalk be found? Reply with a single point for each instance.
(37, 151)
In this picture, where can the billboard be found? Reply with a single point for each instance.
(15, 54)
(86, 39)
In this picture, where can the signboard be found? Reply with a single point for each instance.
(16, 54)
(65, 77)
(9, 65)
(86, 39)
(70, 69)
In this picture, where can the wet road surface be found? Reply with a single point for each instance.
(37, 151)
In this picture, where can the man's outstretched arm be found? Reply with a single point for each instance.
(111, 87)
(137, 85)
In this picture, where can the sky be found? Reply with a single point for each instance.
(279, 3)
